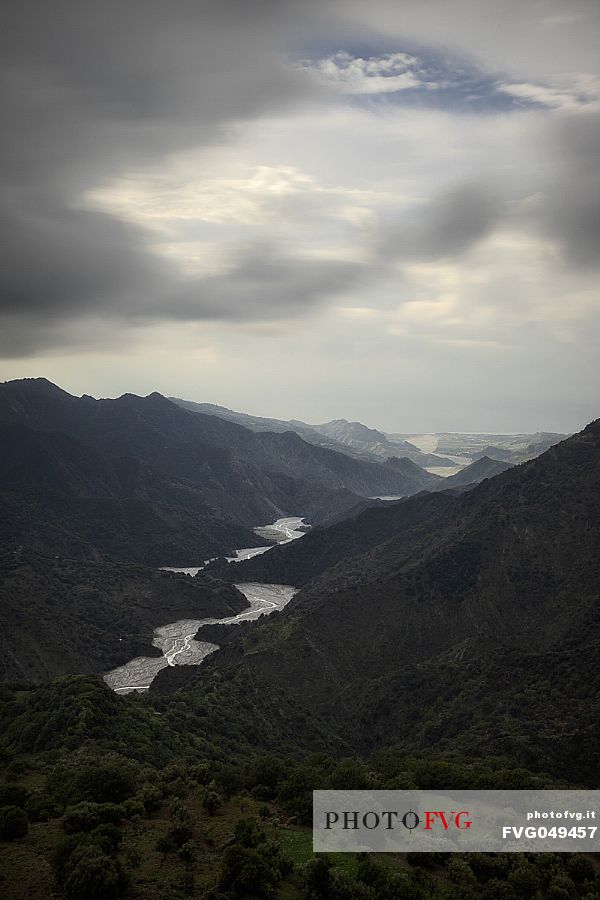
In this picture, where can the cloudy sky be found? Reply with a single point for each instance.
(384, 211)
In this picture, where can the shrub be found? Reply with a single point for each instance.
(87, 816)
(13, 823)
(14, 795)
(151, 797)
(107, 782)
(39, 807)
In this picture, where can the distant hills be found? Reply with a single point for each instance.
(352, 438)
(141, 479)
(369, 441)
(476, 627)
(513, 448)
(484, 467)
(362, 442)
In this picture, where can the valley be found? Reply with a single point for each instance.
(382, 625)
(176, 641)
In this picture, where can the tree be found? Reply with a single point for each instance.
(372, 874)
(187, 852)
(91, 875)
(182, 825)
(247, 872)
(87, 816)
(108, 782)
(498, 890)
(14, 795)
(165, 845)
(248, 833)
(5, 755)
(150, 796)
(13, 823)
(561, 888)
(460, 872)
(39, 806)
(580, 869)
(62, 854)
(316, 877)
(211, 802)
(524, 879)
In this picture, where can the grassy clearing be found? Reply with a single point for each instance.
(297, 843)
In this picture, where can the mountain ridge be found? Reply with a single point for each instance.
(210, 481)
(355, 439)
(382, 643)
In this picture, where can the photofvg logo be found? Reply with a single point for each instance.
(352, 820)
(466, 821)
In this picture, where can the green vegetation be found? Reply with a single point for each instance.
(13, 823)
(171, 821)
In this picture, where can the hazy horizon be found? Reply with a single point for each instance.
(290, 416)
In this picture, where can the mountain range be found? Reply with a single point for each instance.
(141, 479)
(352, 438)
(362, 442)
(351, 532)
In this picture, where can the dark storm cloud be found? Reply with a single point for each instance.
(571, 211)
(90, 91)
(72, 261)
(565, 183)
(93, 88)
(445, 227)
(267, 282)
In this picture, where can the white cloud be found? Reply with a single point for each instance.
(349, 74)
(577, 91)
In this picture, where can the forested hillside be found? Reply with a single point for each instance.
(476, 629)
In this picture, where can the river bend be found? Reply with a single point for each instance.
(177, 643)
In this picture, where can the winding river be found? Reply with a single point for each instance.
(288, 529)
(176, 640)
